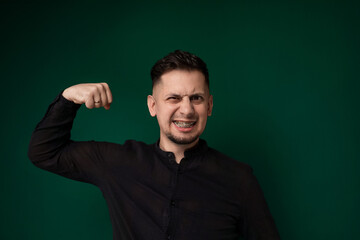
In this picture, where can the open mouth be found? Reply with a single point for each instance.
(182, 124)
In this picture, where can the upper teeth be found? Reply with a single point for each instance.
(184, 124)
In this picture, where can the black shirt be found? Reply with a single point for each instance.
(207, 196)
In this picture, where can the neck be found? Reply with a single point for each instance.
(177, 149)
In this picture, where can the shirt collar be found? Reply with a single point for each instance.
(198, 150)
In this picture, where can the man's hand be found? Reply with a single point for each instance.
(94, 95)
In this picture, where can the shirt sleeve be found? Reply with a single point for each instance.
(257, 222)
(52, 149)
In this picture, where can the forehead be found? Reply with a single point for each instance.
(181, 82)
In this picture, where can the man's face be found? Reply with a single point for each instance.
(181, 102)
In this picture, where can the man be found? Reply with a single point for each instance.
(177, 188)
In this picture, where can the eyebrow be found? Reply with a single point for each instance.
(191, 95)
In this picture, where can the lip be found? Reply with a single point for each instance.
(187, 120)
(188, 129)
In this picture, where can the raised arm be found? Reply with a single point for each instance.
(50, 146)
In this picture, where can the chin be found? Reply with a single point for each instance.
(183, 140)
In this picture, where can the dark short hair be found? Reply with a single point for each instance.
(178, 60)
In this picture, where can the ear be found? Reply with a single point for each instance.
(151, 105)
(210, 105)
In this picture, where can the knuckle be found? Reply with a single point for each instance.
(89, 106)
(97, 86)
(89, 95)
(93, 88)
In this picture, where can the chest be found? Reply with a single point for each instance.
(176, 201)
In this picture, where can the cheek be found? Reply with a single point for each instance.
(165, 115)
(168, 112)
(202, 111)
(203, 115)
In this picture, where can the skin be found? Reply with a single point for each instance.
(180, 96)
(93, 95)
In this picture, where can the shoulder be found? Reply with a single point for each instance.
(129, 146)
(134, 144)
(230, 167)
(237, 176)
(129, 155)
(227, 162)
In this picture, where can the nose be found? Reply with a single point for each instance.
(186, 107)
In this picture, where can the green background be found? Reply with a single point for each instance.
(285, 80)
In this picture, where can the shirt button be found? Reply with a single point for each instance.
(169, 237)
(172, 203)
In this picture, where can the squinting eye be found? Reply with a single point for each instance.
(196, 98)
(173, 99)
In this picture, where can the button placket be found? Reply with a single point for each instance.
(173, 203)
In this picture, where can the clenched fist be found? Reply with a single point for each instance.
(94, 95)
